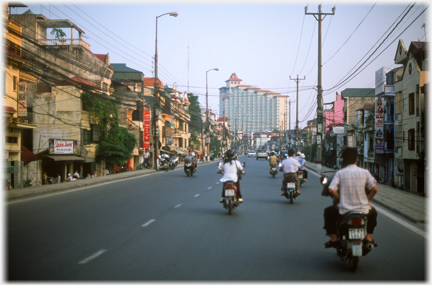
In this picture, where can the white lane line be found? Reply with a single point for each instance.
(209, 188)
(176, 206)
(393, 217)
(148, 223)
(400, 221)
(196, 195)
(84, 261)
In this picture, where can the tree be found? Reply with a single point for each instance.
(215, 145)
(116, 143)
(117, 146)
(195, 123)
(58, 33)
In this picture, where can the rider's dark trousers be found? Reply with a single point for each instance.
(331, 215)
(285, 179)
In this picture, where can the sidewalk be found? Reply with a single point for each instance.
(407, 204)
(34, 191)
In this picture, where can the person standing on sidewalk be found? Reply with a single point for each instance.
(146, 156)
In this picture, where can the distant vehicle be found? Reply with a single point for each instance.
(251, 153)
(285, 152)
(262, 153)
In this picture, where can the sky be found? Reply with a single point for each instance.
(266, 44)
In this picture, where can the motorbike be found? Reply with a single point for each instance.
(351, 231)
(188, 166)
(300, 176)
(273, 170)
(164, 162)
(231, 200)
(173, 162)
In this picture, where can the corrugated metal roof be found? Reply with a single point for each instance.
(122, 72)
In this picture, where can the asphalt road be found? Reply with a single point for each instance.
(169, 227)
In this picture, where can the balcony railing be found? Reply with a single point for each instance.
(64, 42)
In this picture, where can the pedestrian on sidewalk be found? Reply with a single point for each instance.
(146, 156)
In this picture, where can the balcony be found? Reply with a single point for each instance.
(64, 42)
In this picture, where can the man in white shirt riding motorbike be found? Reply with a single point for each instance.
(351, 182)
(290, 166)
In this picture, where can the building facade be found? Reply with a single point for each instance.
(252, 109)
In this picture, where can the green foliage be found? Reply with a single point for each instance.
(27, 182)
(215, 146)
(117, 146)
(195, 124)
(116, 143)
(102, 111)
(195, 114)
(194, 141)
(58, 33)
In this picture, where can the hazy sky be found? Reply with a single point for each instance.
(264, 43)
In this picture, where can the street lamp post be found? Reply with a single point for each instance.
(156, 97)
(207, 110)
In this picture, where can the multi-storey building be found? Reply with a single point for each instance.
(411, 93)
(15, 114)
(252, 109)
(64, 69)
(355, 99)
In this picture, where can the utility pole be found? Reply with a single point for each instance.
(297, 80)
(289, 124)
(319, 17)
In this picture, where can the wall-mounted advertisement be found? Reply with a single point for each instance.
(380, 81)
(146, 143)
(62, 146)
(379, 124)
(22, 99)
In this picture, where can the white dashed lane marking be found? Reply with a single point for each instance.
(84, 261)
(148, 223)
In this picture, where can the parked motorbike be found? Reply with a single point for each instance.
(351, 231)
(231, 199)
(273, 170)
(164, 162)
(188, 166)
(173, 162)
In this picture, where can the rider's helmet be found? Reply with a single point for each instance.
(229, 154)
(298, 153)
(302, 155)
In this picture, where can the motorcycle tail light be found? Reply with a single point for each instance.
(356, 221)
(291, 180)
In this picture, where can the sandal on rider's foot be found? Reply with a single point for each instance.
(331, 244)
(240, 200)
(283, 193)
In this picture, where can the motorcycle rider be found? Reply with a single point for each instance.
(192, 157)
(302, 161)
(230, 167)
(351, 182)
(272, 160)
(290, 166)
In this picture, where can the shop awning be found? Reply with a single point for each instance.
(64, 157)
(171, 123)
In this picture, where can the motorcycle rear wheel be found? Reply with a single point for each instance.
(230, 207)
(353, 262)
(291, 197)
